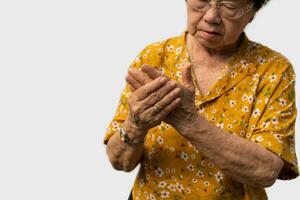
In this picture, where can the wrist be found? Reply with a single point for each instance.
(134, 134)
(187, 125)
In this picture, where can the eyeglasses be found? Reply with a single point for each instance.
(227, 9)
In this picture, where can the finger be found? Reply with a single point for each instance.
(163, 103)
(139, 76)
(169, 108)
(132, 82)
(152, 72)
(187, 78)
(159, 94)
(169, 98)
(144, 91)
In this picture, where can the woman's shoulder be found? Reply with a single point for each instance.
(155, 52)
(168, 44)
(264, 53)
(268, 59)
(272, 65)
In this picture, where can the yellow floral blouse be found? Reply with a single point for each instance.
(254, 98)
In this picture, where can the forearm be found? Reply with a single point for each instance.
(242, 160)
(125, 156)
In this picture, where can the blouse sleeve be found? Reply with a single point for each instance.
(276, 128)
(151, 55)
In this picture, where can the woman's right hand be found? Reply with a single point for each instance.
(151, 103)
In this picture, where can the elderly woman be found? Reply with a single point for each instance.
(208, 114)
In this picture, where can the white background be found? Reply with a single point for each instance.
(62, 68)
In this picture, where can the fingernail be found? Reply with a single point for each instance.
(177, 90)
(162, 79)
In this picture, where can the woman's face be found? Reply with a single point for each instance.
(214, 31)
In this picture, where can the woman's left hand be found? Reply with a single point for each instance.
(186, 111)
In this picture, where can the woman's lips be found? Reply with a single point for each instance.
(210, 34)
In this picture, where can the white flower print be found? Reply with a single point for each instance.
(250, 98)
(179, 187)
(218, 90)
(194, 180)
(284, 76)
(164, 194)
(159, 172)
(162, 184)
(275, 120)
(256, 112)
(172, 187)
(188, 190)
(178, 50)
(210, 165)
(115, 124)
(137, 59)
(170, 48)
(151, 197)
(270, 107)
(178, 65)
(242, 133)
(273, 77)
(259, 101)
(213, 119)
(232, 103)
(259, 139)
(190, 167)
(245, 109)
(277, 136)
(203, 162)
(233, 74)
(244, 63)
(292, 149)
(229, 126)
(214, 111)
(184, 156)
(261, 60)
(142, 182)
(201, 110)
(178, 74)
(220, 125)
(168, 170)
(244, 97)
(206, 183)
(153, 150)
(219, 176)
(196, 149)
(266, 100)
(200, 174)
(282, 102)
(265, 124)
(173, 170)
(160, 140)
(148, 176)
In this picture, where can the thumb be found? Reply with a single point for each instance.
(187, 79)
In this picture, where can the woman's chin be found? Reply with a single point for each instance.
(215, 44)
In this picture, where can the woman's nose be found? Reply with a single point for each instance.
(212, 15)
